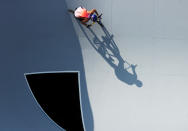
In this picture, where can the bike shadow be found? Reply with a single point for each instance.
(108, 49)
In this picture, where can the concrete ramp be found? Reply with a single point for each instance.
(151, 34)
(39, 36)
(36, 36)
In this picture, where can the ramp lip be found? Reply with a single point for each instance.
(43, 72)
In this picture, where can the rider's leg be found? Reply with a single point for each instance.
(93, 11)
(84, 21)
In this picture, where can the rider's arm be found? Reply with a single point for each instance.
(84, 22)
(93, 11)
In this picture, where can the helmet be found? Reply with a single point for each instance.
(93, 17)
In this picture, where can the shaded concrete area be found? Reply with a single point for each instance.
(36, 36)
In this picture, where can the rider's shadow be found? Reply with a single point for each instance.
(108, 49)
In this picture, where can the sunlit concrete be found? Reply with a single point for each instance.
(152, 34)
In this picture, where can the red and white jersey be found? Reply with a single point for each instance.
(81, 12)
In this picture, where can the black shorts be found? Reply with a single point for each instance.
(80, 19)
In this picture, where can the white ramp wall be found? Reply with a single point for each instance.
(152, 34)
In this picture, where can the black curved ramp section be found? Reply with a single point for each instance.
(59, 96)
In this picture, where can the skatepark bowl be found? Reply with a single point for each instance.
(133, 71)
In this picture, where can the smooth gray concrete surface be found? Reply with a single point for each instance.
(152, 34)
(36, 36)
